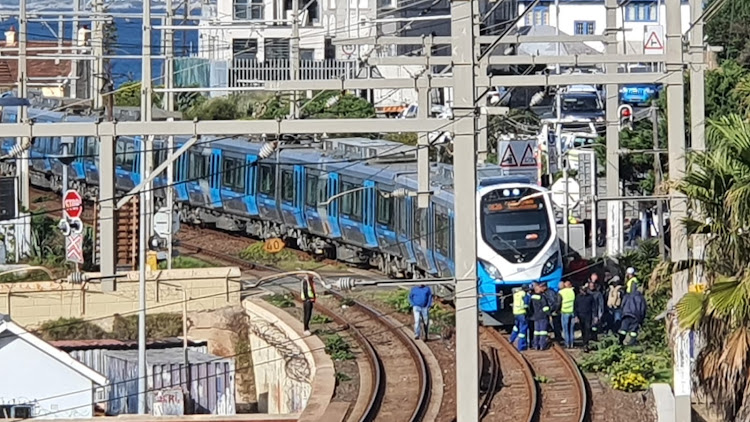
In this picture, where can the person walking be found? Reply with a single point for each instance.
(520, 325)
(540, 315)
(420, 299)
(554, 302)
(631, 281)
(307, 293)
(567, 313)
(614, 304)
(584, 310)
(598, 311)
(633, 315)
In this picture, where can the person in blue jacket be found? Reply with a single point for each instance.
(633, 314)
(420, 299)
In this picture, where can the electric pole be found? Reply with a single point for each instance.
(465, 203)
(614, 208)
(657, 179)
(97, 69)
(145, 205)
(169, 105)
(22, 164)
(294, 58)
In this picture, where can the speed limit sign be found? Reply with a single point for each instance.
(273, 245)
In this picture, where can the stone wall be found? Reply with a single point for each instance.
(32, 303)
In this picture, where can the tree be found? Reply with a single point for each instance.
(728, 28)
(724, 89)
(719, 183)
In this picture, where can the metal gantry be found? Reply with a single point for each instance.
(469, 82)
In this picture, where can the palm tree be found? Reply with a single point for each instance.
(719, 184)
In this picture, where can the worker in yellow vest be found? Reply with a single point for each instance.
(567, 311)
(520, 308)
(631, 281)
(307, 293)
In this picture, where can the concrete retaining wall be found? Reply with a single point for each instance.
(30, 304)
(292, 374)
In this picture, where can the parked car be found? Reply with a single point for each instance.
(639, 94)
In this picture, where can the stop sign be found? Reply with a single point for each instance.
(72, 204)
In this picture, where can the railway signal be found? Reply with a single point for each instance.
(626, 117)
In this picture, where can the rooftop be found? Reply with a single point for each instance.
(165, 356)
(112, 344)
(35, 68)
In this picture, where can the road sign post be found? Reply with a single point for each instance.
(653, 40)
(74, 248)
(72, 226)
(72, 204)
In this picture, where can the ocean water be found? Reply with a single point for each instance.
(129, 42)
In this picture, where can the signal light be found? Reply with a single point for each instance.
(626, 117)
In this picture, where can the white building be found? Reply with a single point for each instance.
(588, 17)
(41, 381)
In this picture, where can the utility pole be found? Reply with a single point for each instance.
(657, 179)
(678, 202)
(614, 208)
(22, 165)
(97, 45)
(145, 207)
(169, 104)
(74, 63)
(482, 119)
(465, 202)
(294, 58)
(423, 144)
(170, 197)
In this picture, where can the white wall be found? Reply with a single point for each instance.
(634, 31)
(31, 376)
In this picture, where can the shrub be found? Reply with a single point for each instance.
(399, 300)
(338, 348)
(630, 369)
(71, 329)
(157, 326)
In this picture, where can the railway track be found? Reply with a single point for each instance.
(563, 394)
(515, 381)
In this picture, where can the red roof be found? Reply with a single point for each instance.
(35, 68)
(69, 345)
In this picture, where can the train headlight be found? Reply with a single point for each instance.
(492, 271)
(551, 264)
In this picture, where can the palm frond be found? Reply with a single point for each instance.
(691, 309)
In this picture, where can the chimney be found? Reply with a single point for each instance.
(10, 37)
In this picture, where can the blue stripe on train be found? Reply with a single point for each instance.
(489, 289)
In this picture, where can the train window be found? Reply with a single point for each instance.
(346, 200)
(125, 155)
(267, 180)
(385, 210)
(197, 166)
(233, 173)
(442, 233)
(159, 154)
(311, 191)
(402, 216)
(357, 198)
(92, 148)
(287, 186)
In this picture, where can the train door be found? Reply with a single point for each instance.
(287, 196)
(266, 193)
(404, 231)
(422, 239)
(214, 178)
(443, 240)
(180, 175)
(250, 191)
(368, 214)
(315, 193)
(233, 186)
(351, 212)
(386, 221)
(299, 196)
(332, 187)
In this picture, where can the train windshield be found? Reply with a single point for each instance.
(516, 229)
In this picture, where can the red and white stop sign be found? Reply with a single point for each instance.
(72, 204)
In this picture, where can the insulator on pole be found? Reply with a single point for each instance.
(78, 278)
(345, 283)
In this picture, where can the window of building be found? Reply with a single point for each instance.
(245, 48)
(538, 16)
(267, 179)
(307, 54)
(248, 10)
(233, 173)
(640, 12)
(287, 186)
(583, 27)
(276, 48)
(385, 210)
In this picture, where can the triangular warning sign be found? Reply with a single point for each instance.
(509, 159)
(528, 159)
(653, 42)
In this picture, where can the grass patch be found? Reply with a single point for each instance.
(186, 262)
(338, 348)
(280, 300)
(628, 368)
(160, 325)
(442, 319)
(320, 319)
(285, 259)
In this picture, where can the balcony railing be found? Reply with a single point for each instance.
(244, 72)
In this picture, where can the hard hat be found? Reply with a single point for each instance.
(630, 271)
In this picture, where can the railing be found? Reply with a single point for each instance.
(243, 72)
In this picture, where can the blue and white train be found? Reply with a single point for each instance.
(224, 184)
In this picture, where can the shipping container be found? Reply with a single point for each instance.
(211, 380)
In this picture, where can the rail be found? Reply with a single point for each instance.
(529, 383)
(564, 398)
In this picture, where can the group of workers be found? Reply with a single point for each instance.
(597, 308)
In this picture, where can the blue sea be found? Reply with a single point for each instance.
(129, 42)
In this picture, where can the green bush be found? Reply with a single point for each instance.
(631, 369)
(320, 319)
(399, 300)
(280, 300)
(157, 326)
(185, 262)
(71, 329)
(338, 348)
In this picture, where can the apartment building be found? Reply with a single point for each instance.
(588, 17)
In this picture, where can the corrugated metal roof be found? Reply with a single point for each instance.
(69, 345)
(165, 356)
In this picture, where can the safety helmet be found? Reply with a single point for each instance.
(630, 271)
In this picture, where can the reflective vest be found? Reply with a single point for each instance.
(519, 304)
(568, 299)
(307, 292)
(631, 281)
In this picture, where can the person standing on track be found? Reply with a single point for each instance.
(420, 299)
(554, 301)
(584, 310)
(540, 316)
(307, 293)
(520, 326)
(594, 291)
(567, 311)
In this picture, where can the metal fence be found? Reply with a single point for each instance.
(244, 72)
